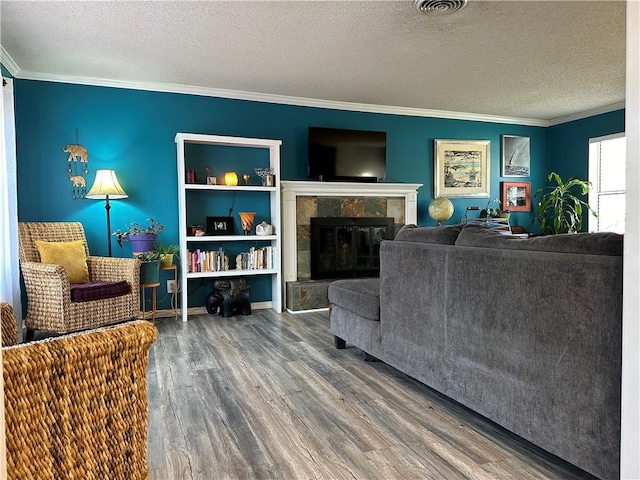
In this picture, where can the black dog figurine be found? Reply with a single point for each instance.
(230, 296)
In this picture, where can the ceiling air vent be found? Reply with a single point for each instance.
(439, 7)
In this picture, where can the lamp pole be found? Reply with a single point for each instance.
(107, 207)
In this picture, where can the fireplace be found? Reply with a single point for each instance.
(347, 247)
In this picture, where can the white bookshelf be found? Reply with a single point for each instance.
(190, 243)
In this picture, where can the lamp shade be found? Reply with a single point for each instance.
(230, 178)
(106, 185)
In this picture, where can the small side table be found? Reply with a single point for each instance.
(153, 287)
(175, 279)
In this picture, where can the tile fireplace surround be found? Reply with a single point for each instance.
(303, 200)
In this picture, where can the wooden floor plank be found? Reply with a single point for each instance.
(267, 396)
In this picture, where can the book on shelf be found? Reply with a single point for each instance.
(257, 258)
(207, 261)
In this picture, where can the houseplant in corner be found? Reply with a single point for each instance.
(166, 253)
(560, 209)
(141, 238)
(149, 268)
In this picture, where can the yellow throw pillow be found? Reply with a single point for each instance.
(71, 255)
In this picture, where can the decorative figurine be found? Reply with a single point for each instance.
(264, 228)
(229, 296)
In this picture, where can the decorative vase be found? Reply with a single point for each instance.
(149, 272)
(246, 221)
(142, 243)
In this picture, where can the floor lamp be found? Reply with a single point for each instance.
(106, 187)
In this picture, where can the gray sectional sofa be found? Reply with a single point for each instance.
(526, 332)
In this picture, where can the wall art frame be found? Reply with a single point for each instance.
(516, 196)
(516, 156)
(220, 226)
(461, 168)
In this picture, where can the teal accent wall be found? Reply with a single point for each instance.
(132, 132)
(568, 144)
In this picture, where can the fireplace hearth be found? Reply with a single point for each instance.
(347, 247)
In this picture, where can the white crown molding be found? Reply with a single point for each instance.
(278, 99)
(588, 113)
(299, 101)
(8, 62)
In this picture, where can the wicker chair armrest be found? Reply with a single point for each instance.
(87, 389)
(47, 287)
(9, 327)
(113, 269)
(45, 279)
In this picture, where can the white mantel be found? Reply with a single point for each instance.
(293, 189)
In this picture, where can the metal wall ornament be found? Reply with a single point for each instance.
(77, 168)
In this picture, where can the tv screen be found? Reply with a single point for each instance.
(347, 155)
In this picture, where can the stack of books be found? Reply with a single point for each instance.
(258, 258)
(207, 261)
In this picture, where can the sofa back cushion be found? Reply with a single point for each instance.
(602, 243)
(442, 234)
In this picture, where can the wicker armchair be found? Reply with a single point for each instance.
(49, 305)
(76, 405)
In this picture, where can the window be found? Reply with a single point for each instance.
(607, 173)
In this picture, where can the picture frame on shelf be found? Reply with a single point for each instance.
(220, 226)
(516, 196)
(461, 168)
(516, 157)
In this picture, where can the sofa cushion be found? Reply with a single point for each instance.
(602, 243)
(71, 255)
(442, 234)
(86, 292)
(357, 295)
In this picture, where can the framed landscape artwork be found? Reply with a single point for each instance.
(515, 156)
(516, 196)
(461, 168)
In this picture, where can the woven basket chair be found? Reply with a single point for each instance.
(9, 327)
(76, 405)
(49, 305)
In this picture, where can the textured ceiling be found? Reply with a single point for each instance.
(527, 59)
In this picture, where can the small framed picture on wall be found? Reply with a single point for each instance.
(516, 196)
(516, 161)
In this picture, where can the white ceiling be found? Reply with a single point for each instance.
(544, 61)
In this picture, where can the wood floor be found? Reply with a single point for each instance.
(267, 396)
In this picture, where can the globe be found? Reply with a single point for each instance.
(441, 209)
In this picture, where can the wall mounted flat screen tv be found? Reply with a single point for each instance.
(347, 155)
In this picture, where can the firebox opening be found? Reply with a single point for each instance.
(347, 247)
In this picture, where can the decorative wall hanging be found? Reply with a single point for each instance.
(516, 161)
(516, 196)
(461, 168)
(77, 168)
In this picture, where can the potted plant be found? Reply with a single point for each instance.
(141, 238)
(494, 212)
(560, 209)
(166, 253)
(149, 268)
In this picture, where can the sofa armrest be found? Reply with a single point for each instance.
(113, 269)
(78, 404)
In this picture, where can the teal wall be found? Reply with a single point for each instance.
(133, 132)
(568, 144)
